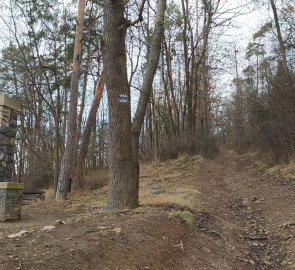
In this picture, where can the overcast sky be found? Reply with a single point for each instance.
(238, 36)
(245, 26)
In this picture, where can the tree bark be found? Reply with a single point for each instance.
(61, 192)
(88, 129)
(188, 101)
(153, 61)
(282, 49)
(124, 151)
(123, 192)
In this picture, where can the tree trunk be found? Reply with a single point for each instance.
(123, 192)
(88, 129)
(153, 60)
(65, 169)
(205, 110)
(188, 100)
(174, 107)
(283, 57)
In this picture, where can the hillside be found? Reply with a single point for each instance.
(226, 213)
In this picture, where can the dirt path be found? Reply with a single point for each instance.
(242, 220)
(255, 213)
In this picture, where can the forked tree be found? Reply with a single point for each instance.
(123, 162)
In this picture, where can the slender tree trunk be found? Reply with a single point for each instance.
(150, 124)
(168, 98)
(65, 169)
(153, 61)
(56, 155)
(155, 137)
(282, 48)
(88, 129)
(82, 107)
(101, 140)
(174, 107)
(20, 168)
(93, 146)
(184, 5)
(205, 109)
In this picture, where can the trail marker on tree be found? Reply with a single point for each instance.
(123, 98)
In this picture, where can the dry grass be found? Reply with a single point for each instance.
(76, 200)
(175, 179)
(280, 171)
(283, 171)
(95, 179)
(49, 194)
(184, 215)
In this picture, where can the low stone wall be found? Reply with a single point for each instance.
(10, 200)
(29, 198)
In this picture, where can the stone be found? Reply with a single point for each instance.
(19, 234)
(48, 228)
(58, 222)
(3, 156)
(32, 197)
(8, 131)
(10, 200)
(156, 191)
(117, 230)
(11, 193)
(11, 186)
(11, 103)
(4, 115)
(7, 140)
(13, 119)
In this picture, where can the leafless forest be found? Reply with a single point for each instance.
(107, 85)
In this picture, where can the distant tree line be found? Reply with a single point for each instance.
(261, 113)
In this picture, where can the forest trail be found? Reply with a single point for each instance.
(226, 214)
(255, 211)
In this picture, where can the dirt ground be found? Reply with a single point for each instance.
(200, 214)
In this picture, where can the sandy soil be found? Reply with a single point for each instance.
(196, 214)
